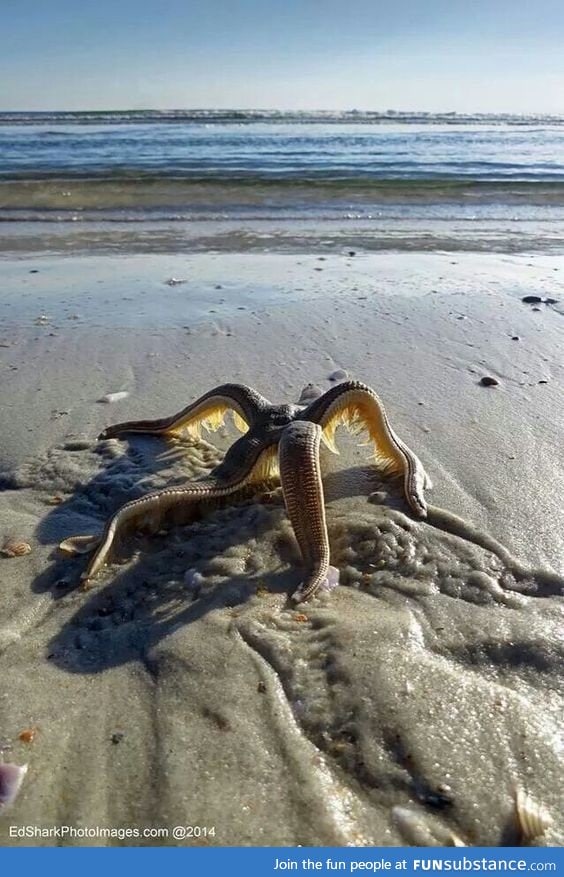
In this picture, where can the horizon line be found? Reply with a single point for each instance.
(320, 110)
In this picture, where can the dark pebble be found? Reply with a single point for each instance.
(34, 271)
(117, 737)
(261, 687)
(489, 382)
(352, 253)
(543, 382)
(515, 338)
(551, 301)
(436, 799)
(532, 299)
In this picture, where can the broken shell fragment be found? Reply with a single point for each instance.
(54, 500)
(11, 779)
(15, 548)
(114, 397)
(79, 544)
(28, 735)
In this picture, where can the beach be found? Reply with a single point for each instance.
(415, 703)
(184, 699)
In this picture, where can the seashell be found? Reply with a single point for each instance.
(79, 544)
(113, 397)
(532, 818)
(176, 281)
(11, 779)
(15, 548)
(28, 735)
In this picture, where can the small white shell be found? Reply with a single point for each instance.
(11, 778)
(15, 548)
(114, 397)
(174, 281)
(532, 818)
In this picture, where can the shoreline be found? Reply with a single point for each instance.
(336, 232)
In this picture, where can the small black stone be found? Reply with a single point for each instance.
(436, 799)
(551, 301)
(489, 382)
(117, 737)
(352, 253)
(532, 299)
(515, 338)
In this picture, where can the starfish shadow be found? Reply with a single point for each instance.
(125, 620)
(152, 597)
(121, 472)
(175, 580)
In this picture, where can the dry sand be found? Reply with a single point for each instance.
(405, 707)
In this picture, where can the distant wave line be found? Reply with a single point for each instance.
(214, 116)
(330, 178)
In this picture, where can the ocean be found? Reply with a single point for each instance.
(159, 181)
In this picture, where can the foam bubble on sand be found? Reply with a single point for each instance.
(388, 550)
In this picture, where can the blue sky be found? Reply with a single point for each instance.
(436, 55)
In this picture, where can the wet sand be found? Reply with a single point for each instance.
(405, 707)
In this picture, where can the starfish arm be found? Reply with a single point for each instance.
(246, 464)
(300, 474)
(356, 404)
(208, 411)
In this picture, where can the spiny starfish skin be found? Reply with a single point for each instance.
(297, 431)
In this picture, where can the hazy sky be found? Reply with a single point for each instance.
(464, 55)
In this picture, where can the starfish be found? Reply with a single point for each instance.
(278, 439)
